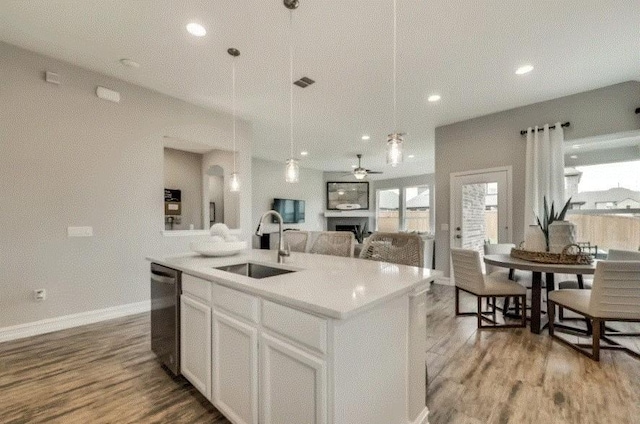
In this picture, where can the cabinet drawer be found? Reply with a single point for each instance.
(235, 302)
(196, 287)
(309, 330)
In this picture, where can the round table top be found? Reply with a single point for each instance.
(506, 261)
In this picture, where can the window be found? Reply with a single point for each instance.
(388, 210)
(417, 214)
(608, 195)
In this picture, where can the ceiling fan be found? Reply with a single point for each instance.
(360, 173)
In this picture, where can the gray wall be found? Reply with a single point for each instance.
(183, 171)
(495, 140)
(68, 159)
(268, 183)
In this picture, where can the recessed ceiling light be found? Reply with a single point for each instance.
(366, 137)
(304, 153)
(434, 98)
(411, 156)
(525, 69)
(354, 166)
(574, 156)
(575, 146)
(130, 63)
(196, 29)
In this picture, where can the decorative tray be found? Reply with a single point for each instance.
(567, 257)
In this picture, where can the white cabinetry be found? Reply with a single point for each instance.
(293, 384)
(235, 368)
(259, 361)
(195, 343)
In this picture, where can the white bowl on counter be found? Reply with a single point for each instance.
(217, 248)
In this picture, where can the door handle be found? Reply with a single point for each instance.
(163, 280)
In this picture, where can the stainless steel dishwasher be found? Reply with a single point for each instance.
(165, 315)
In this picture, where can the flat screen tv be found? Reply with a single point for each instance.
(292, 211)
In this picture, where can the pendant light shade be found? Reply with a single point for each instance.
(234, 182)
(292, 170)
(394, 140)
(292, 174)
(394, 149)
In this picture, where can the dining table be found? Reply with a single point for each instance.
(537, 269)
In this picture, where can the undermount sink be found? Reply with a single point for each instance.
(254, 270)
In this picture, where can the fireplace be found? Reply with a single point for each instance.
(354, 228)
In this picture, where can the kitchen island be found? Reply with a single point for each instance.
(318, 339)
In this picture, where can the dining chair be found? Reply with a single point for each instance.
(468, 277)
(335, 243)
(615, 296)
(612, 255)
(296, 240)
(397, 248)
(580, 283)
(512, 274)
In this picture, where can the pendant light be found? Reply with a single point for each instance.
(292, 170)
(234, 182)
(395, 139)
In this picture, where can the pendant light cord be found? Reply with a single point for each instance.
(233, 107)
(395, 36)
(291, 78)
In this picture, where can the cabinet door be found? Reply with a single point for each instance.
(293, 384)
(235, 369)
(195, 344)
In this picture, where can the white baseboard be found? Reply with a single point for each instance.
(445, 281)
(74, 320)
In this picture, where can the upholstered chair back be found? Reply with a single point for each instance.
(336, 243)
(397, 248)
(623, 255)
(467, 269)
(616, 290)
(497, 249)
(296, 240)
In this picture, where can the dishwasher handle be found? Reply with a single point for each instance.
(163, 280)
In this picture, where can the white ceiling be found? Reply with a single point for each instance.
(465, 50)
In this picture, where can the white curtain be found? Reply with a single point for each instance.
(544, 172)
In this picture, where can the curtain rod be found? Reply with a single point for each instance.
(551, 127)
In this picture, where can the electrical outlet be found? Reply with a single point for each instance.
(39, 295)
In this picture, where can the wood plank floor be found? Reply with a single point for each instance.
(514, 376)
(99, 373)
(106, 373)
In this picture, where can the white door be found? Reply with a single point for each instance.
(235, 369)
(195, 344)
(293, 384)
(480, 208)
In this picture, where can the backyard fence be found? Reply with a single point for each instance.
(608, 231)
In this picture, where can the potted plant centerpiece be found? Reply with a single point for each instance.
(558, 233)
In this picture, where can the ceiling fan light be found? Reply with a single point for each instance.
(234, 182)
(292, 174)
(394, 149)
(360, 174)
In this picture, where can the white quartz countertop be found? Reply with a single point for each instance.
(330, 286)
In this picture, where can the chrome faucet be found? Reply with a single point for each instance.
(282, 253)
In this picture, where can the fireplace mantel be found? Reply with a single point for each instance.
(349, 214)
